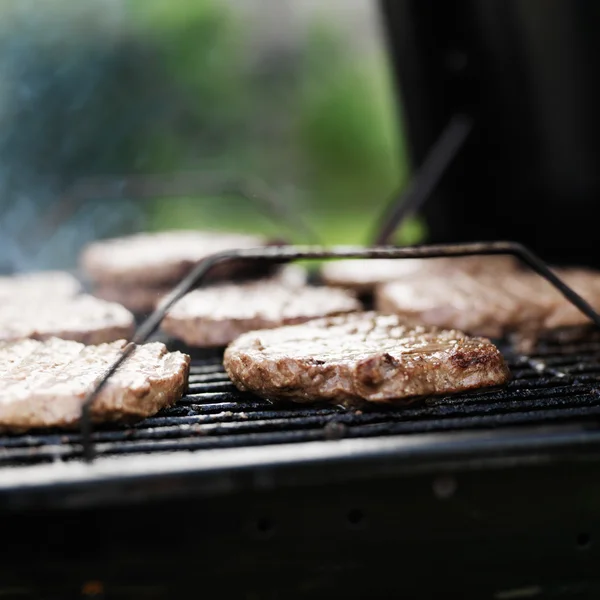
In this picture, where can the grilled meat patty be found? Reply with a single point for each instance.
(361, 357)
(81, 318)
(43, 384)
(216, 315)
(161, 259)
(520, 302)
(142, 299)
(42, 284)
(363, 275)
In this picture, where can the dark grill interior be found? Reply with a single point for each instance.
(556, 383)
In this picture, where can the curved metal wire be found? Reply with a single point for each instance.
(284, 254)
(424, 182)
(144, 187)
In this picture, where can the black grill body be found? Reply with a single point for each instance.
(492, 493)
(507, 530)
(526, 72)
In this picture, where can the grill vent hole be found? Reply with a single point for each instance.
(356, 517)
(584, 541)
(265, 526)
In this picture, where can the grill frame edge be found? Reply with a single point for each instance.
(156, 477)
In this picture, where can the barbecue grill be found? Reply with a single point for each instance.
(491, 494)
(300, 501)
(317, 499)
(556, 383)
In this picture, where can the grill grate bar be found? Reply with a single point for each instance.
(215, 386)
(232, 415)
(407, 421)
(204, 369)
(216, 377)
(211, 424)
(208, 398)
(331, 430)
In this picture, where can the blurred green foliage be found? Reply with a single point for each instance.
(196, 47)
(342, 126)
(351, 136)
(156, 86)
(348, 126)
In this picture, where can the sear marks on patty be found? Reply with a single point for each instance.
(43, 384)
(363, 275)
(216, 315)
(520, 302)
(360, 357)
(163, 258)
(80, 318)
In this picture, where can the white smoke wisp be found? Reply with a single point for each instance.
(70, 108)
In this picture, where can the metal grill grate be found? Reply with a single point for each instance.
(556, 384)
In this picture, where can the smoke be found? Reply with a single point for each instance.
(77, 94)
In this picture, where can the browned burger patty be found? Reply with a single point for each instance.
(81, 318)
(139, 299)
(43, 384)
(361, 357)
(142, 299)
(42, 284)
(494, 306)
(160, 259)
(216, 315)
(364, 274)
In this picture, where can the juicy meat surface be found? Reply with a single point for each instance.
(162, 258)
(42, 284)
(216, 315)
(144, 299)
(43, 384)
(361, 357)
(494, 306)
(81, 318)
(364, 274)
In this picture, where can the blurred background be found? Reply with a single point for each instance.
(125, 115)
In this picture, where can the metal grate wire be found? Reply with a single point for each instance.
(555, 384)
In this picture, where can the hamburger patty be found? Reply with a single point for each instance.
(519, 302)
(143, 299)
(138, 299)
(361, 357)
(43, 384)
(42, 284)
(81, 318)
(216, 315)
(161, 259)
(363, 275)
